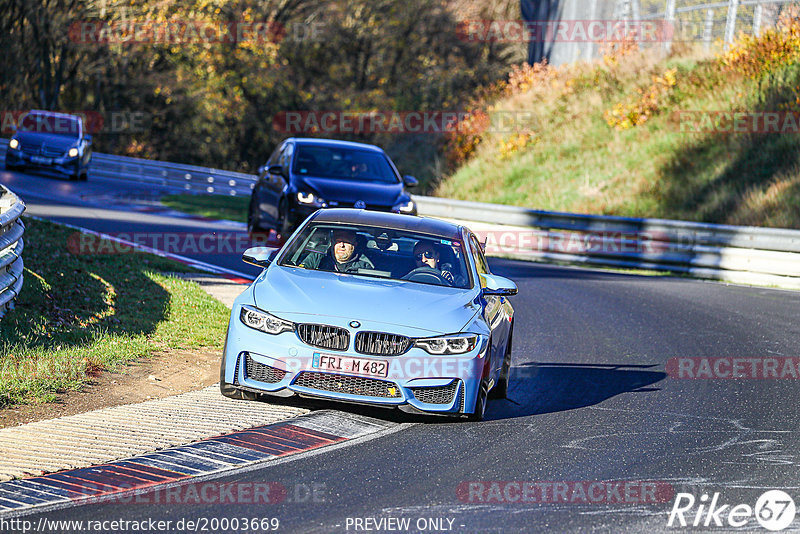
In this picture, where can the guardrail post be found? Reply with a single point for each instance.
(730, 25)
(758, 14)
(708, 30)
(669, 19)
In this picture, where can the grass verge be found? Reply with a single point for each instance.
(630, 136)
(211, 206)
(78, 315)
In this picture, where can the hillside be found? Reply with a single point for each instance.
(641, 135)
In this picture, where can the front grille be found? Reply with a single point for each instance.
(263, 373)
(50, 152)
(353, 385)
(380, 344)
(324, 337)
(438, 394)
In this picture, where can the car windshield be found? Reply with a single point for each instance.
(50, 124)
(344, 164)
(379, 253)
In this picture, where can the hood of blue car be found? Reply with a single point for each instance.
(53, 141)
(406, 308)
(351, 190)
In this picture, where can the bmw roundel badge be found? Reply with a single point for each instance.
(360, 205)
(355, 324)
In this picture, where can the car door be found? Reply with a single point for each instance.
(266, 190)
(493, 308)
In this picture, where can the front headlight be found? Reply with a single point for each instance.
(310, 199)
(408, 207)
(73, 152)
(13, 144)
(456, 344)
(263, 321)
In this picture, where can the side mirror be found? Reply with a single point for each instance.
(259, 256)
(410, 181)
(88, 138)
(275, 169)
(498, 286)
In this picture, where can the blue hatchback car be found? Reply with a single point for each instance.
(303, 175)
(373, 308)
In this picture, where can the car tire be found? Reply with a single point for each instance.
(500, 390)
(285, 226)
(254, 230)
(480, 404)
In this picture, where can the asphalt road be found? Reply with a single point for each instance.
(590, 400)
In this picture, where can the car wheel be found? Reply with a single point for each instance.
(500, 390)
(285, 226)
(255, 230)
(480, 404)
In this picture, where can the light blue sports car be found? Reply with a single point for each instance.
(373, 308)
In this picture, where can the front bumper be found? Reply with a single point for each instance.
(284, 366)
(62, 165)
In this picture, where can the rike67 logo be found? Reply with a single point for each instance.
(774, 510)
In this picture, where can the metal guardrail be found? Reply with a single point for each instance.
(174, 176)
(11, 245)
(761, 256)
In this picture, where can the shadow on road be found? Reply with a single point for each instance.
(541, 388)
(535, 389)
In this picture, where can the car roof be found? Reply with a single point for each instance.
(52, 114)
(391, 221)
(310, 141)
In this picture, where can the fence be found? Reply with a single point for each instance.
(11, 245)
(762, 256)
(707, 22)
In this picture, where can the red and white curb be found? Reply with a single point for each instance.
(136, 477)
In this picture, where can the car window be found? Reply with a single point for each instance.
(480, 260)
(380, 253)
(273, 159)
(51, 124)
(286, 156)
(344, 164)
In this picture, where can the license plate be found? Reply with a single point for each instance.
(41, 160)
(356, 366)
